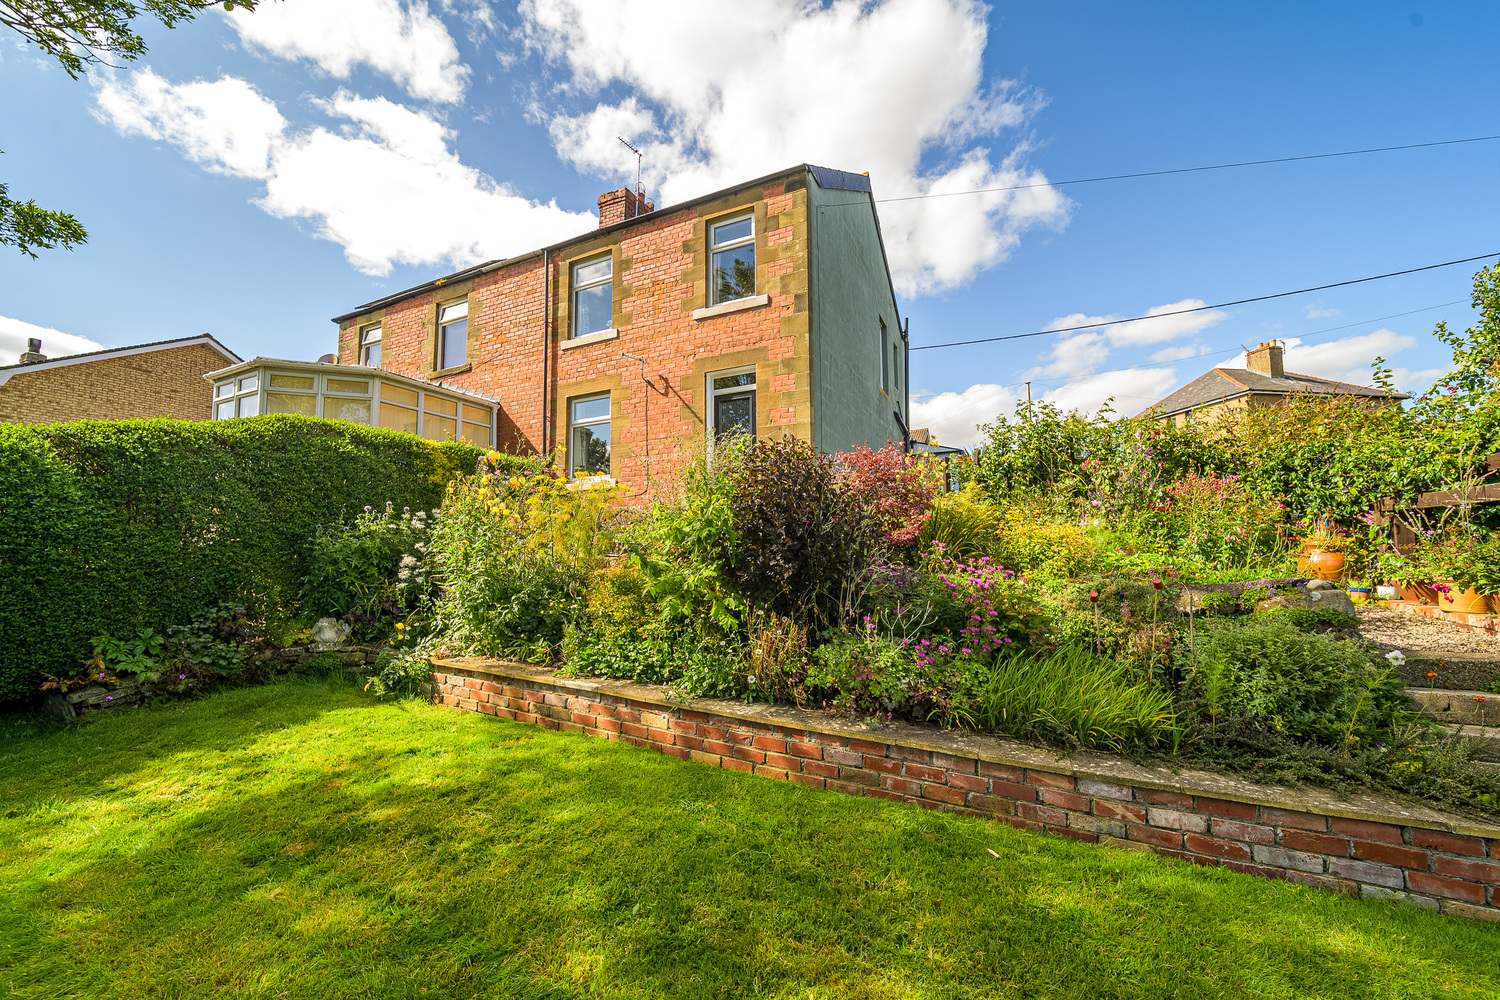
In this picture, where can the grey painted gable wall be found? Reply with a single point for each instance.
(850, 295)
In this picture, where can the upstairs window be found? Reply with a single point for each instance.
(731, 247)
(588, 443)
(453, 334)
(369, 347)
(593, 296)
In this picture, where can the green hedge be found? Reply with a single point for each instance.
(115, 526)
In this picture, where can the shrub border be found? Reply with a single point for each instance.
(1364, 845)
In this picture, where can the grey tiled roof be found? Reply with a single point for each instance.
(1218, 384)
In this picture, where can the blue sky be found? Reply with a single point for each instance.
(253, 176)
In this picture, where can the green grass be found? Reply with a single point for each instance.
(301, 840)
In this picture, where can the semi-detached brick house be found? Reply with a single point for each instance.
(766, 307)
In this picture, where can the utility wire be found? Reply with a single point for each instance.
(1223, 351)
(1190, 170)
(1231, 352)
(1195, 309)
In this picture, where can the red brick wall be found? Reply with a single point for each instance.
(1434, 869)
(660, 278)
(164, 383)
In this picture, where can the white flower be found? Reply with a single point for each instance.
(1396, 657)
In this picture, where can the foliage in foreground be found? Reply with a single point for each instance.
(301, 839)
(110, 527)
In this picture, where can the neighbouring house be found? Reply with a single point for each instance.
(1223, 391)
(360, 395)
(164, 379)
(763, 308)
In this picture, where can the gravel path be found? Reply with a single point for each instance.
(1389, 630)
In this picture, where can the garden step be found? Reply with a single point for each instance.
(1454, 671)
(1467, 708)
(1488, 736)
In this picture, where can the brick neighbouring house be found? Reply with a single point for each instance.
(1220, 392)
(164, 379)
(766, 306)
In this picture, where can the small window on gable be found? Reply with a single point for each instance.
(588, 436)
(593, 296)
(453, 334)
(369, 346)
(731, 249)
(885, 357)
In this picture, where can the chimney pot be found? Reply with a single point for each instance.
(33, 354)
(1266, 359)
(622, 205)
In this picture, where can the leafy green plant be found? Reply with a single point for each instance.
(398, 675)
(1303, 684)
(963, 523)
(139, 654)
(1071, 696)
(357, 565)
(802, 538)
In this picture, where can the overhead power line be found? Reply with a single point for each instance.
(1190, 170)
(1197, 309)
(1230, 352)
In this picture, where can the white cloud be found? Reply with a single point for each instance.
(1132, 390)
(1075, 354)
(226, 126)
(14, 334)
(953, 417)
(407, 43)
(1313, 312)
(1177, 353)
(386, 186)
(717, 91)
(1164, 322)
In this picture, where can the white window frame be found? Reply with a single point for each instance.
(574, 287)
(713, 248)
(366, 341)
(239, 395)
(370, 396)
(442, 330)
(711, 395)
(607, 419)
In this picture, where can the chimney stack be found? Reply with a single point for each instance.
(1266, 359)
(33, 353)
(622, 205)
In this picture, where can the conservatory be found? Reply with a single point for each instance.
(366, 396)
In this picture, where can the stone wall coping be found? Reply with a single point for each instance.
(1368, 806)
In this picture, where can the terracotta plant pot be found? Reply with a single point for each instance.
(1462, 602)
(1326, 565)
(1359, 595)
(1418, 593)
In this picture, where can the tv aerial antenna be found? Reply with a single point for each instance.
(639, 193)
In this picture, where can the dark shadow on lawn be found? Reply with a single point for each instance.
(507, 853)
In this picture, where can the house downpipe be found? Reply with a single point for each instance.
(546, 344)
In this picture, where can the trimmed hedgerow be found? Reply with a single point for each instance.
(115, 526)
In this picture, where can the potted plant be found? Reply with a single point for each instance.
(1486, 571)
(1324, 553)
(1406, 574)
(1451, 562)
(1359, 591)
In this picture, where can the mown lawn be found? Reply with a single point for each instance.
(302, 840)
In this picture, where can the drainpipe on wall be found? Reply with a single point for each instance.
(546, 344)
(906, 377)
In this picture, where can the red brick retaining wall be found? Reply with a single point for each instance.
(1432, 868)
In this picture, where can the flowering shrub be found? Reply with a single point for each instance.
(356, 567)
(898, 489)
(1044, 548)
(515, 555)
(1217, 519)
